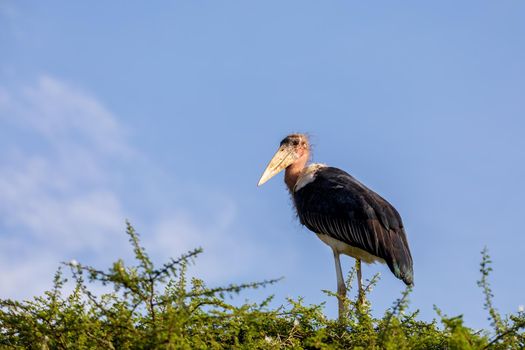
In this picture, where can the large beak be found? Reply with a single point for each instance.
(284, 156)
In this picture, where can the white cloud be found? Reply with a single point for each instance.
(62, 113)
(56, 199)
(62, 170)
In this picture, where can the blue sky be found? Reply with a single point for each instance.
(167, 113)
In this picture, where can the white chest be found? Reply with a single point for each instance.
(342, 247)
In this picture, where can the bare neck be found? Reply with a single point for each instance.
(294, 170)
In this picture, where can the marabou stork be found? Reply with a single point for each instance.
(345, 214)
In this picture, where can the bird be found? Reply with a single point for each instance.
(345, 214)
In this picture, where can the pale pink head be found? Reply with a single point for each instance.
(292, 155)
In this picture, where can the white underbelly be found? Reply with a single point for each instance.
(342, 247)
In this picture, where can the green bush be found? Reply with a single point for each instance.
(161, 308)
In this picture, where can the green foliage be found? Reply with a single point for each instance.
(152, 307)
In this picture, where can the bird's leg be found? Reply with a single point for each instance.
(341, 288)
(361, 294)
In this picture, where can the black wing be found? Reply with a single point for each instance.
(336, 204)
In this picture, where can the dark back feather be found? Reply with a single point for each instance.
(336, 204)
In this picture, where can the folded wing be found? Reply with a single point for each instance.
(338, 205)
